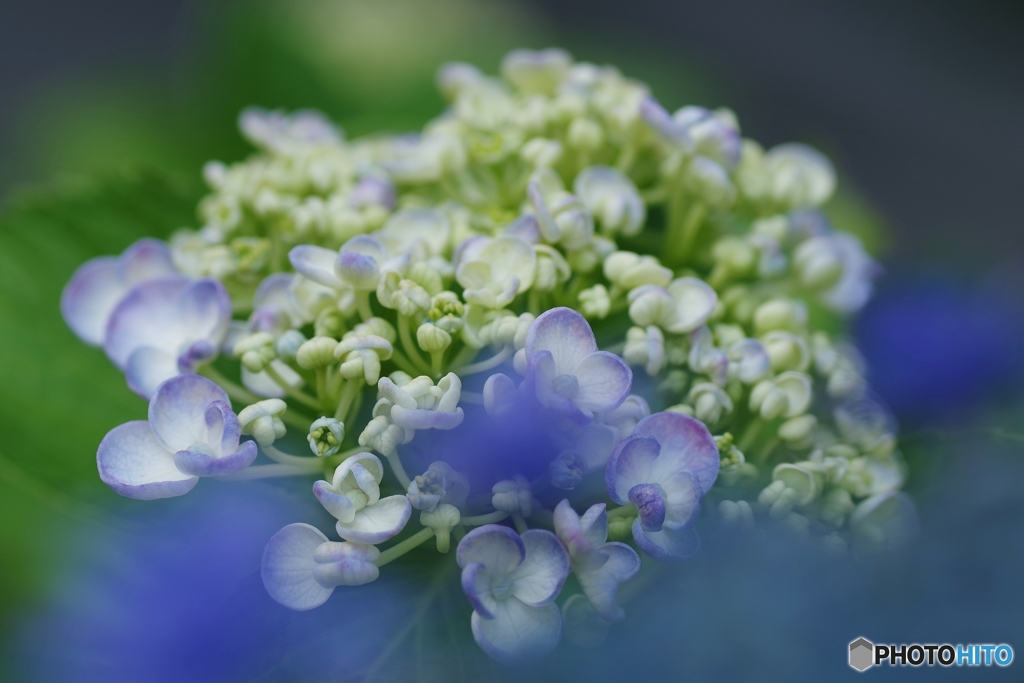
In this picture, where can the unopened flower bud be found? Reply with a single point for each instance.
(513, 496)
(620, 528)
(780, 314)
(786, 351)
(796, 430)
(567, 470)
(585, 134)
(738, 513)
(432, 338)
(255, 351)
(262, 420)
(629, 270)
(818, 263)
(542, 152)
(735, 255)
(325, 436)
(442, 520)
(318, 352)
(288, 344)
(595, 301)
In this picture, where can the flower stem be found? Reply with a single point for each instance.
(480, 520)
(486, 364)
(750, 435)
(410, 347)
(291, 391)
(233, 390)
(402, 547)
(348, 394)
(363, 305)
(396, 467)
(310, 463)
(521, 526)
(266, 472)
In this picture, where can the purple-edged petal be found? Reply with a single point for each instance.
(540, 378)
(204, 465)
(133, 463)
(169, 314)
(604, 379)
(476, 582)
(178, 412)
(541, 575)
(378, 522)
(570, 531)
(337, 504)
(316, 264)
(658, 118)
(686, 444)
(631, 464)
(98, 285)
(288, 565)
(518, 631)
(669, 544)
(650, 505)
(498, 548)
(601, 584)
(563, 332)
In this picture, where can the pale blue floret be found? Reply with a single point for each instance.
(599, 566)
(353, 498)
(301, 568)
(166, 327)
(512, 582)
(566, 371)
(191, 433)
(99, 285)
(663, 469)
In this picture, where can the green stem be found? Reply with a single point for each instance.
(464, 356)
(411, 350)
(486, 364)
(266, 472)
(480, 520)
(403, 363)
(473, 397)
(402, 547)
(750, 435)
(291, 391)
(233, 390)
(348, 394)
(363, 305)
(396, 467)
(520, 523)
(622, 511)
(436, 363)
(310, 463)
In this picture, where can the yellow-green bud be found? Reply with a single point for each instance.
(780, 314)
(442, 520)
(318, 352)
(432, 338)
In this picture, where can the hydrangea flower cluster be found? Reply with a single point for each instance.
(642, 285)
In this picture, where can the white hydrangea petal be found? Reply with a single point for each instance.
(345, 564)
(563, 332)
(288, 564)
(694, 300)
(498, 548)
(685, 443)
(510, 257)
(538, 580)
(682, 498)
(378, 522)
(631, 464)
(142, 317)
(518, 631)
(203, 311)
(316, 264)
(133, 463)
(856, 284)
(148, 368)
(404, 230)
(177, 412)
(604, 382)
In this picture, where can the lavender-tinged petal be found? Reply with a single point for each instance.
(563, 332)
(604, 382)
(498, 548)
(685, 443)
(476, 582)
(667, 545)
(345, 564)
(539, 578)
(146, 259)
(148, 368)
(146, 316)
(658, 118)
(338, 505)
(203, 312)
(378, 522)
(274, 292)
(518, 631)
(91, 296)
(316, 264)
(631, 464)
(288, 565)
(133, 463)
(594, 524)
(372, 190)
(601, 584)
(682, 496)
(203, 465)
(177, 412)
(569, 530)
(539, 380)
(650, 504)
(694, 301)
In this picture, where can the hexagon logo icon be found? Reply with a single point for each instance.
(862, 654)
